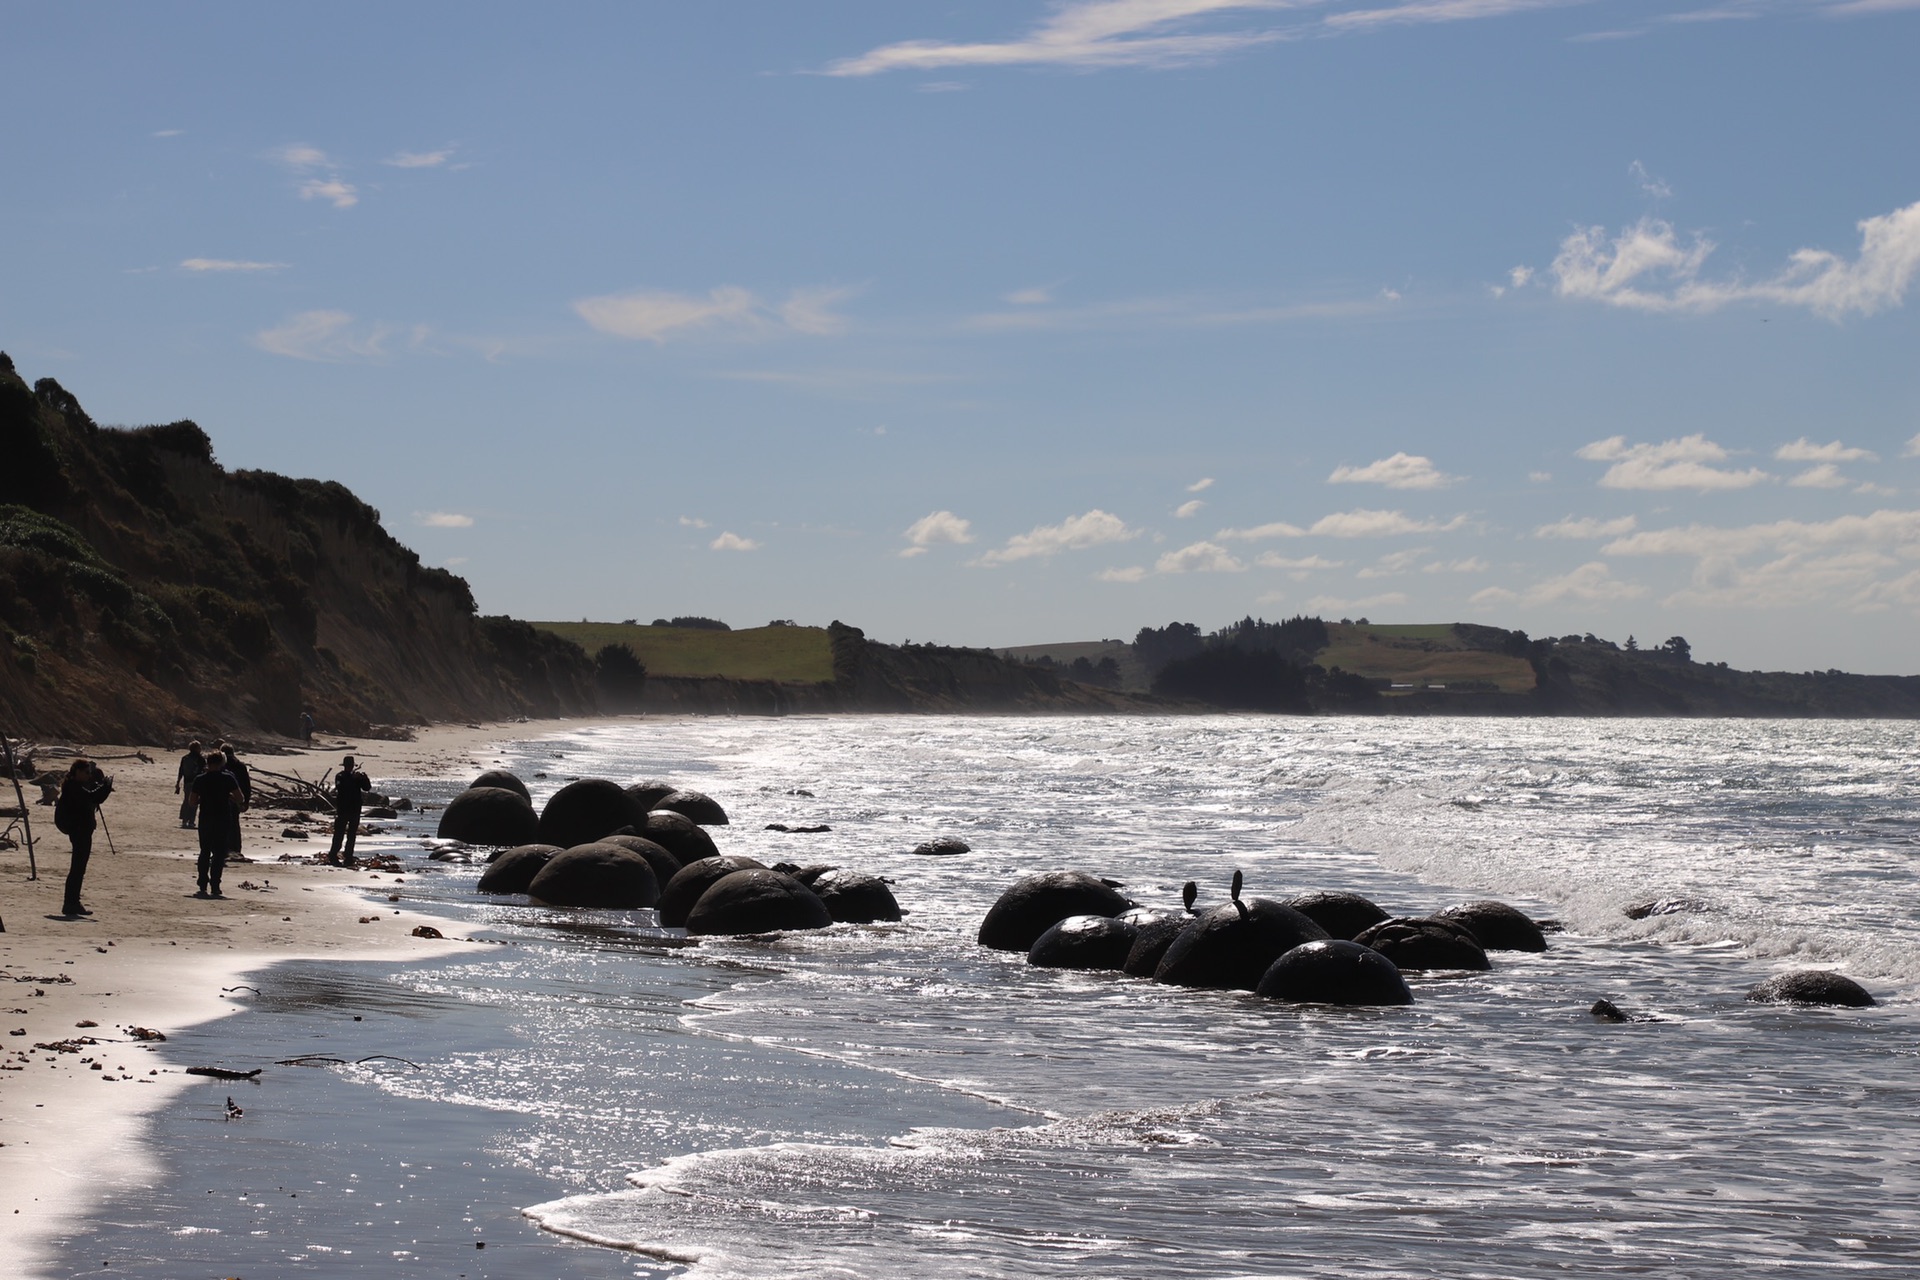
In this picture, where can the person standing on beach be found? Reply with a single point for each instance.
(73, 815)
(306, 727)
(245, 780)
(192, 765)
(217, 795)
(349, 789)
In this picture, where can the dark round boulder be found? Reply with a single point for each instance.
(1036, 903)
(504, 780)
(595, 875)
(1231, 946)
(942, 847)
(515, 869)
(581, 812)
(1342, 915)
(696, 805)
(678, 835)
(1497, 926)
(692, 880)
(1334, 972)
(1423, 942)
(1151, 939)
(1084, 942)
(851, 898)
(757, 900)
(649, 793)
(1812, 986)
(665, 865)
(489, 815)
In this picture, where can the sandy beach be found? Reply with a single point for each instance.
(152, 956)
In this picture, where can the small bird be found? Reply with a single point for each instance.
(234, 1111)
(1235, 895)
(1188, 893)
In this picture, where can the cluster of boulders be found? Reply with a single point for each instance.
(599, 844)
(1316, 948)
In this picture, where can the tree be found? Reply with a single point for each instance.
(1677, 647)
(619, 676)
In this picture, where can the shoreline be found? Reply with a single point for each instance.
(153, 956)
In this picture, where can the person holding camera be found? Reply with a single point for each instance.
(350, 789)
(74, 816)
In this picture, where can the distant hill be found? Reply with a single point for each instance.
(147, 592)
(760, 653)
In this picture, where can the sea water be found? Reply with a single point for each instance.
(585, 1099)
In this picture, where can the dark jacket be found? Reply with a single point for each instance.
(351, 786)
(73, 812)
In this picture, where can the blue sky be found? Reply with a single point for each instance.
(1012, 322)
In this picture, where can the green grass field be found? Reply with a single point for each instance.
(1424, 653)
(761, 653)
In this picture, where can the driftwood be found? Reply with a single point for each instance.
(313, 1059)
(221, 1073)
(26, 821)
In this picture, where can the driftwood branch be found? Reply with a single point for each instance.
(221, 1073)
(310, 1059)
(13, 771)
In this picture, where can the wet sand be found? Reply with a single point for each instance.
(154, 956)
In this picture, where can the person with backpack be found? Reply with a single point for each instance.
(217, 796)
(191, 765)
(74, 817)
(350, 788)
(244, 778)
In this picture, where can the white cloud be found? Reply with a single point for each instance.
(419, 159)
(692, 522)
(733, 542)
(1187, 510)
(1540, 477)
(654, 315)
(1824, 476)
(1805, 450)
(1076, 533)
(1586, 527)
(936, 528)
(1672, 464)
(1393, 564)
(1854, 564)
(1200, 557)
(168, 133)
(1087, 34)
(1298, 566)
(327, 336)
(300, 156)
(1132, 573)
(1893, 529)
(1261, 532)
(1426, 11)
(1472, 564)
(1648, 268)
(442, 520)
(1401, 471)
(1339, 604)
(1205, 483)
(1913, 448)
(1346, 524)
(1650, 185)
(1035, 297)
(1591, 583)
(341, 195)
(1520, 277)
(228, 264)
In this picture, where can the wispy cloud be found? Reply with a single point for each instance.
(320, 175)
(1824, 476)
(1298, 566)
(1805, 450)
(1895, 529)
(1420, 12)
(1076, 533)
(1913, 448)
(1187, 510)
(341, 195)
(1858, 564)
(168, 133)
(1347, 524)
(1340, 604)
(1591, 583)
(1393, 564)
(1587, 527)
(1472, 564)
(419, 159)
(442, 520)
(1649, 267)
(330, 337)
(939, 527)
(1205, 483)
(1200, 557)
(692, 522)
(1088, 34)
(1650, 186)
(301, 156)
(655, 315)
(1131, 573)
(1401, 471)
(733, 542)
(1671, 464)
(228, 264)
(1166, 313)
(1039, 296)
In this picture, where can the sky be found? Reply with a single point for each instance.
(1016, 322)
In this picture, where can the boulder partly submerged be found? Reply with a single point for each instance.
(757, 900)
(581, 812)
(1231, 946)
(1423, 942)
(515, 869)
(1036, 903)
(596, 875)
(678, 897)
(505, 781)
(1334, 971)
(853, 898)
(1084, 942)
(1341, 914)
(1497, 926)
(489, 815)
(695, 805)
(1812, 986)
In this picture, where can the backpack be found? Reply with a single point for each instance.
(63, 816)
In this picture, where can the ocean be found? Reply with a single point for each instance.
(580, 1097)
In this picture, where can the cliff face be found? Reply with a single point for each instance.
(146, 591)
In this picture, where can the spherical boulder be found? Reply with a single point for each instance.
(1084, 942)
(941, 847)
(851, 898)
(693, 879)
(595, 875)
(1812, 986)
(1497, 926)
(1341, 914)
(581, 812)
(757, 900)
(1231, 946)
(1036, 903)
(504, 780)
(1422, 942)
(489, 815)
(650, 792)
(1334, 972)
(678, 835)
(696, 805)
(1151, 939)
(515, 869)
(665, 865)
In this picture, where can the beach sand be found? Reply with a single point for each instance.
(154, 956)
